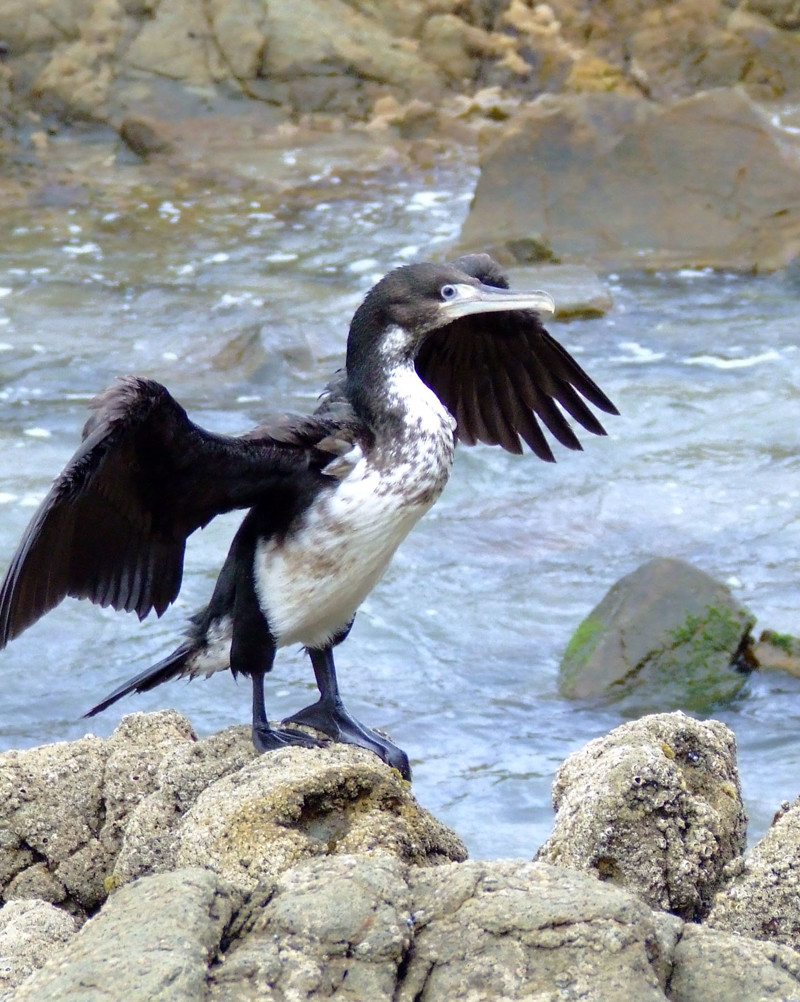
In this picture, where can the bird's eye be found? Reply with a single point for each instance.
(448, 292)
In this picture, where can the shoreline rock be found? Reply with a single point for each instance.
(666, 636)
(654, 807)
(313, 874)
(83, 818)
(610, 138)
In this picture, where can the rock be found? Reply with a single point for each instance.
(598, 177)
(300, 802)
(176, 42)
(30, 932)
(510, 930)
(762, 899)
(456, 47)
(77, 79)
(185, 770)
(337, 927)
(783, 13)
(33, 24)
(654, 807)
(675, 49)
(316, 878)
(666, 636)
(578, 291)
(145, 136)
(153, 940)
(372, 929)
(777, 652)
(81, 818)
(714, 967)
(63, 808)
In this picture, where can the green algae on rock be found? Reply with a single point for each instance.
(667, 636)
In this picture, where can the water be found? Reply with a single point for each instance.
(241, 307)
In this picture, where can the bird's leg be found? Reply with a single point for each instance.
(329, 715)
(266, 738)
(253, 654)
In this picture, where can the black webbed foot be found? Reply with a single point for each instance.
(266, 738)
(335, 721)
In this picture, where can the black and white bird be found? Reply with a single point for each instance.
(437, 353)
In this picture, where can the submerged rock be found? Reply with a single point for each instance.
(620, 182)
(578, 291)
(667, 636)
(654, 807)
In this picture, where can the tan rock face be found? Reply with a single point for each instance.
(371, 929)
(301, 802)
(706, 181)
(763, 898)
(96, 58)
(30, 932)
(64, 807)
(82, 818)
(654, 807)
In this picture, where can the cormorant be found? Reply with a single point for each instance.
(436, 353)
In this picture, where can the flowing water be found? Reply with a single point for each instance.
(242, 309)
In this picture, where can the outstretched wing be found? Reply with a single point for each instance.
(114, 525)
(501, 374)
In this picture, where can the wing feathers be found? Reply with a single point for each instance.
(498, 372)
(114, 525)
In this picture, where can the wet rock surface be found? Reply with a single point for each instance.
(597, 120)
(666, 636)
(777, 652)
(624, 183)
(654, 807)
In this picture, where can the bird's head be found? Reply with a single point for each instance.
(413, 301)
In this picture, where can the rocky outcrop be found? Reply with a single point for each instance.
(762, 897)
(678, 48)
(665, 636)
(31, 931)
(155, 866)
(83, 818)
(64, 808)
(100, 58)
(705, 181)
(654, 807)
(618, 135)
(376, 930)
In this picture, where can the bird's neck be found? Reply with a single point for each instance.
(387, 393)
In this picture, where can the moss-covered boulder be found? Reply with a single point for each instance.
(667, 636)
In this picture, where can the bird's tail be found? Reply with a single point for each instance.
(173, 666)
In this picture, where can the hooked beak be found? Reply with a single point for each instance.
(473, 299)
